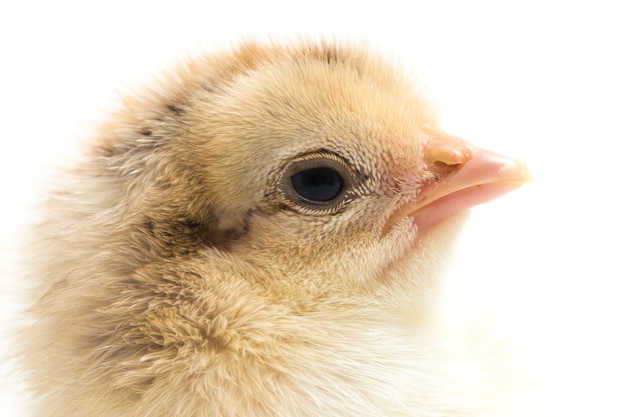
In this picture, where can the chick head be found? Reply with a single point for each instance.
(242, 236)
(307, 165)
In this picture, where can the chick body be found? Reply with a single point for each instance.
(181, 274)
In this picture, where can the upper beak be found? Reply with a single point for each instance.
(465, 176)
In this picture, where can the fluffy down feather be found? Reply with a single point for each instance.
(180, 273)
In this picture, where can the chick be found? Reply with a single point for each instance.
(260, 234)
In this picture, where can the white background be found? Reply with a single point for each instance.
(542, 81)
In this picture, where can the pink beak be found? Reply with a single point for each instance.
(465, 176)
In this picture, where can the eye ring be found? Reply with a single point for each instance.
(319, 182)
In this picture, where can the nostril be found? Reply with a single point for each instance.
(445, 156)
(442, 168)
(447, 153)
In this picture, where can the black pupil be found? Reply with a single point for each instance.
(317, 184)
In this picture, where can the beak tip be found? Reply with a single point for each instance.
(515, 171)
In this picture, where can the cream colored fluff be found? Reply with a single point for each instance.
(176, 279)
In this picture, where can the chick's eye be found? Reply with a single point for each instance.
(318, 184)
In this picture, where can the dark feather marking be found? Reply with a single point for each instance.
(175, 109)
